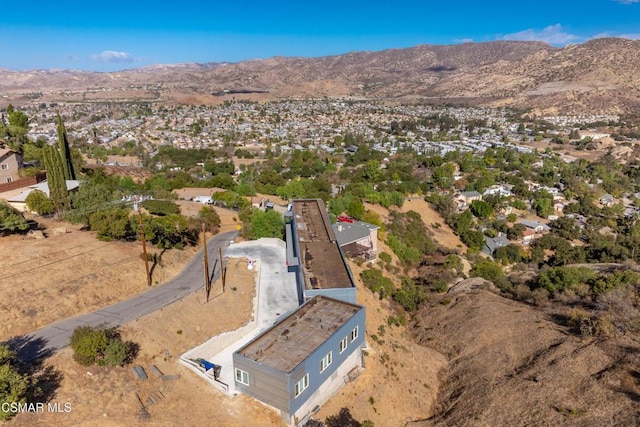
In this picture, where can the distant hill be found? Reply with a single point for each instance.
(599, 76)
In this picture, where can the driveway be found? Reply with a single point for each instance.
(56, 335)
(276, 296)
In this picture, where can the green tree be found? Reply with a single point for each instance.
(38, 202)
(113, 224)
(474, 239)
(11, 220)
(55, 179)
(14, 385)
(65, 152)
(210, 218)
(265, 224)
(481, 209)
(489, 270)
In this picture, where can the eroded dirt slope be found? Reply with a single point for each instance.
(511, 364)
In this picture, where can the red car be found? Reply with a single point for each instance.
(345, 218)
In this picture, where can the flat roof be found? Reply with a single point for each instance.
(288, 343)
(320, 256)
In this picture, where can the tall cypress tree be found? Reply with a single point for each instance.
(56, 179)
(65, 152)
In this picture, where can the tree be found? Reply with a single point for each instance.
(543, 206)
(210, 218)
(265, 224)
(481, 209)
(65, 152)
(113, 224)
(38, 202)
(11, 220)
(56, 179)
(474, 239)
(14, 385)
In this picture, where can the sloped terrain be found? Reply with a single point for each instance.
(599, 76)
(511, 364)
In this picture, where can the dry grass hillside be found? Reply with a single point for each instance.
(594, 77)
(511, 364)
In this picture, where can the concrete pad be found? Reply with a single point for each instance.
(276, 295)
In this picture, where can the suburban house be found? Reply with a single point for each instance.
(493, 243)
(536, 226)
(358, 238)
(20, 201)
(465, 198)
(314, 255)
(528, 236)
(10, 164)
(299, 363)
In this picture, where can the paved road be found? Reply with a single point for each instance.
(56, 335)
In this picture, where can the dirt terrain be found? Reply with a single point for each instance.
(72, 273)
(473, 358)
(511, 364)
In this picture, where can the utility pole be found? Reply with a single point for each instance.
(223, 270)
(144, 245)
(207, 278)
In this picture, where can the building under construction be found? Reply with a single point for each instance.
(314, 255)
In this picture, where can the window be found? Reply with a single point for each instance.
(326, 361)
(343, 344)
(354, 334)
(302, 385)
(9, 179)
(5, 167)
(242, 376)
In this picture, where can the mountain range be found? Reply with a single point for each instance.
(599, 76)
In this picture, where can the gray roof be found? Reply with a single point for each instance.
(529, 223)
(469, 194)
(44, 187)
(291, 340)
(352, 232)
(493, 243)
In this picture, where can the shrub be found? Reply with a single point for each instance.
(112, 225)
(161, 207)
(376, 282)
(116, 353)
(385, 257)
(14, 385)
(39, 203)
(88, 344)
(101, 346)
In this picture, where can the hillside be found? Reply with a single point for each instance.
(598, 76)
(510, 364)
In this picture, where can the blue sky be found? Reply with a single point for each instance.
(115, 35)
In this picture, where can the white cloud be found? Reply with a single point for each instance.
(630, 36)
(553, 34)
(114, 57)
(626, 1)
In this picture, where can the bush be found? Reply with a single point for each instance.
(101, 346)
(39, 203)
(385, 257)
(161, 207)
(14, 385)
(88, 344)
(409, 296)
(376, 282)
(112, 225)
